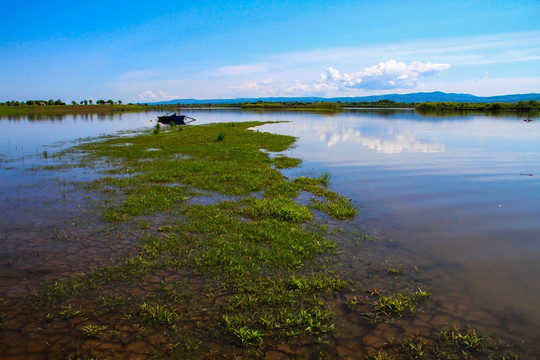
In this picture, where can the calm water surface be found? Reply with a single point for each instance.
(460, 193)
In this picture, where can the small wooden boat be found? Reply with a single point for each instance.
(175, 118)
(528, 120)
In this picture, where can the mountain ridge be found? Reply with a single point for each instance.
(419, 97)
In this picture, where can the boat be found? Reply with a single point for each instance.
(175, 117)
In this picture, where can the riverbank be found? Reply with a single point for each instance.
(215, 254)
(78, 109)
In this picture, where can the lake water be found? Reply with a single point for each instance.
(458, 194)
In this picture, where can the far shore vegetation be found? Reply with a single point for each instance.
(102, 106)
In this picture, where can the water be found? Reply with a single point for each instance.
(460, 194)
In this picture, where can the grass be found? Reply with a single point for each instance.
(462, 343)
(285, 162)
(280, 208)
(157, 314)
(400, 304)
(340, 208)
(94, 331)
(265, 252)
(453, 344)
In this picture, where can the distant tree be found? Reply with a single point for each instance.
(51, 102)
(59, 102)
(110, 102)
(73, 102)
(90, 101)
(120, 102)
(101, 102)
(86, 102)
(30, 102)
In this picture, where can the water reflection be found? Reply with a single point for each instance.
(449, 189)
(387, 142)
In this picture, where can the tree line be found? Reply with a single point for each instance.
(58, 102)
(497, 106)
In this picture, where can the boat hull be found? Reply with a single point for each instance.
(172, 119)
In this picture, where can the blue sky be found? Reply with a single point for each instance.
(160, 50)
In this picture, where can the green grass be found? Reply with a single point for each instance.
(265, 252)
(339, 208)
(157, 314)
(94, 331)
(280, 208)
(284, 162)
(400, 304)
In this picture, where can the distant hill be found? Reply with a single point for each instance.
(420, 97)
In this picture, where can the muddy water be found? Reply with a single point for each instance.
(454, 202)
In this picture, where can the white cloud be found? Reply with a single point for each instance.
(383, 76)
(389, 75)
(149, 95)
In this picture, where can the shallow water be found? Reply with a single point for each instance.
(458, 196)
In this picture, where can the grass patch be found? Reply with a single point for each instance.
(339, 208)
(157, 314)
(284, 162)
(280, 208)
(400, 304)
(273, 263)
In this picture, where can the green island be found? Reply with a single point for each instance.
(229, 259)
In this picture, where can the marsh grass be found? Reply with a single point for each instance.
(280, 208)
(266, 253)
(339, 208)
(157, 314)
(272, 267)
(464, 343)
(285, 162)
(94, 331)
(400, 303)
(452, 344)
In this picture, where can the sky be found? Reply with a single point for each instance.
(157, 50)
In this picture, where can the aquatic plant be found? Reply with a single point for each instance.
(68, 312)
(340, 208)
(94, 331)
(157, 314)
(399, 303)
(325, 178)
(285, 162)
(248, 336)
(278, 208)
(466, 340)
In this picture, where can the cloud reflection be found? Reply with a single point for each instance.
(392, 142)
